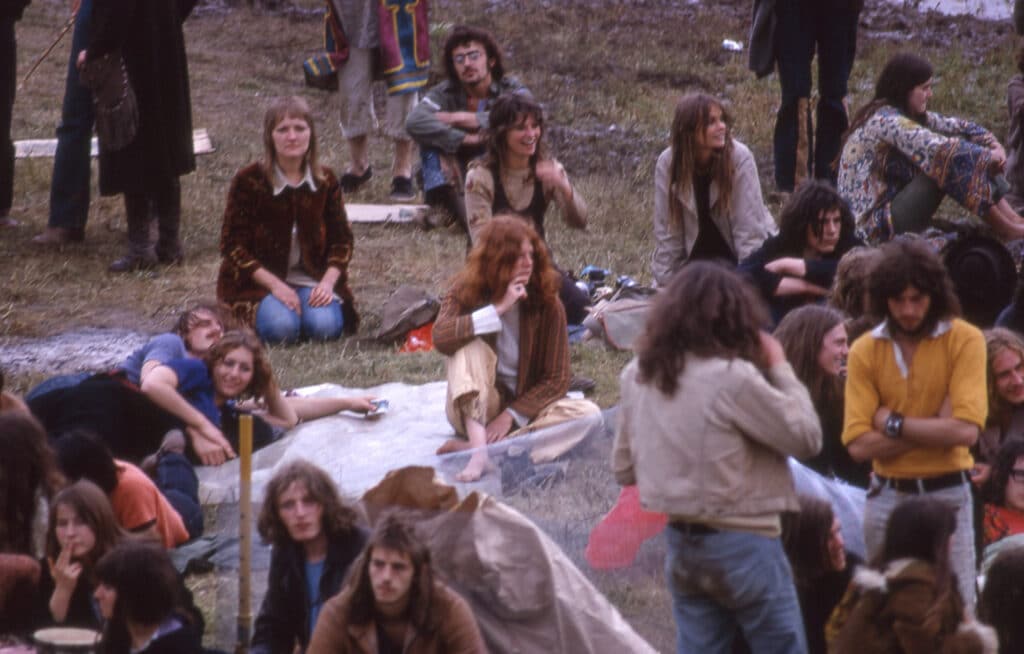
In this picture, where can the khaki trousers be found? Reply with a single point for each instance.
(472, 393)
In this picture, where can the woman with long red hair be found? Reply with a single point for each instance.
(503, 328)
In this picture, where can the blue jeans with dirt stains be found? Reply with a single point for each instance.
(732, 579)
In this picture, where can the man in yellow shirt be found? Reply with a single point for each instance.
(916, 397)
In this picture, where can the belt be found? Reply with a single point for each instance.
(925, 484)
(692, 528)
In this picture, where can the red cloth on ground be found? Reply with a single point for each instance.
(615, 540)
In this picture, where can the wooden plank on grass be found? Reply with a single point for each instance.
(40, 148)
(384, 213)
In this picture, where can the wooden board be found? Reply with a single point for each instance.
(40, 148)
(384, 213)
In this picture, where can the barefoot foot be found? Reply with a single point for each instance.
(453, 445)
(478, 464)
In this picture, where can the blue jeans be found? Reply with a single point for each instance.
(732, 579)
(805, 26)
(882, 500)
(177, 480)
(69, 189)
(58, 382)
(276, 323)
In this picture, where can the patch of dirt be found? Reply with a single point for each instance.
(74, 351)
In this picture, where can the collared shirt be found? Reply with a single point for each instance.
(948, 363)
(281, 182)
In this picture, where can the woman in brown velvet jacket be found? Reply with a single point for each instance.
(285, 241)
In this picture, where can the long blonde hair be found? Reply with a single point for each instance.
(693, 113)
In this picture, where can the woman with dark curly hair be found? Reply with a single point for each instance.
(797, 265)
(315, 539)
(710, 410)
(899, 160)
(814, 340)
(707, 195)
(503, 330)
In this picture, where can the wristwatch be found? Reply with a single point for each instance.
(894, 425)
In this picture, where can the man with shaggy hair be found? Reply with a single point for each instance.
(393, 603)
(450, 123)
(916, 397)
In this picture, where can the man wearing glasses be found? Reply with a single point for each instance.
(916, 398)
(450, 122)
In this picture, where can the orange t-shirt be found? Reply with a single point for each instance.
(137, 501)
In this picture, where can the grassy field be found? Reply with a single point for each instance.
(608, 72)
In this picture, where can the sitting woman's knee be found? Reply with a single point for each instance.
(276, 323)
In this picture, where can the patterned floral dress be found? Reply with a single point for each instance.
(885, 153)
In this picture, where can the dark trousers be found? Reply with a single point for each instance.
(177, 480)
(8, 71)
(69, 190)
(828, 27)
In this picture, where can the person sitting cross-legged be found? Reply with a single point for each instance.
(503, 330)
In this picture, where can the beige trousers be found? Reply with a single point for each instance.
(472, 393)
(355, 83)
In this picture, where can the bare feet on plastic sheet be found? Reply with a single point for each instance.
(478, 464)
(453, 445)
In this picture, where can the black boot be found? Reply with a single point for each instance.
(167, 206)
(140, 244)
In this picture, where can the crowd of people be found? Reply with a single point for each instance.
(833, 335)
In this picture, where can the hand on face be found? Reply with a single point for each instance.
(64, 570)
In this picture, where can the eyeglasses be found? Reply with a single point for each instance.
(1017, 475)
(470, 56)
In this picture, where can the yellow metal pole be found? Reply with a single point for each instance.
(244, 532)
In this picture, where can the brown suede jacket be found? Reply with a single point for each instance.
(544, 369)
(456, 632)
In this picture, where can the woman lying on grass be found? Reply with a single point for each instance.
(899, 160)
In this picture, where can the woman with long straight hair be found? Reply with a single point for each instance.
(899, 160)
(707, 195)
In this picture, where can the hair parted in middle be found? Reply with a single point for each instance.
(397, 534)
(508, 111)
(997, 341)
(262, 374)
(920, 528)
(290, 106)
(693, 114)
(802, 332)
(489, 266)
(92, 506)
(899, 76)
(911, 262)
(462, 35)
(706, 310)
(338, 518)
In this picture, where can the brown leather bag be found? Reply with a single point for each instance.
(117, 111)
